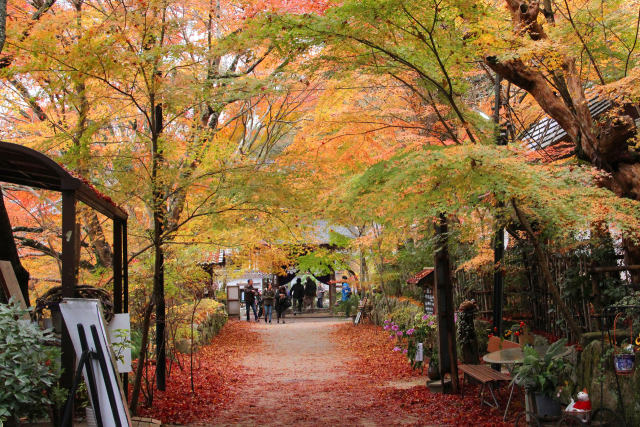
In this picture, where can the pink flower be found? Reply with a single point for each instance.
(410, 331)
(392, 336)
(399, 333)
(386, 327)
(425, 317)
(404, 351)
(396, 349)
(395, 327)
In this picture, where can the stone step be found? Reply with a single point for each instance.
(315, 314)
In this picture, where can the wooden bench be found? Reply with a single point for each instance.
(487, 377)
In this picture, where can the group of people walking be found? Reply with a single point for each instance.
(304, 295)
(279, 299)
(265, 302)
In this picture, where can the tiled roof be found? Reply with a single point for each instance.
(547, 131)
(415, 279)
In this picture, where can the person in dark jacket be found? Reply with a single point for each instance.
(297, 293)
(250, 300)
(320, 297)
(259, 304)
(309, 292)
(268, 299)
(282, 303)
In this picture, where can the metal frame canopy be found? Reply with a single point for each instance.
(25, 166)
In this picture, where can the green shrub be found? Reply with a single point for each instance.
(405, 316)
(350, 306)
(29, 367)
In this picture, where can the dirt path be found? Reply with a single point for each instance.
(314, 372)
(297, 378)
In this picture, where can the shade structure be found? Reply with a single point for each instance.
(24, 166)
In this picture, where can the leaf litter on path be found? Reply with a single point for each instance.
(308, 373)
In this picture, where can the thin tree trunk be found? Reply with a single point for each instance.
(137, 382)
(158, 229)
(3, 23)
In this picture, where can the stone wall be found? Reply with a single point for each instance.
(601, 383)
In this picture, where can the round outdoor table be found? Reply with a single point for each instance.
(513, 356)
(508, 356)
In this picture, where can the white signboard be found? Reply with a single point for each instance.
(88, 314)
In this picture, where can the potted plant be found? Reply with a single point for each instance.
(541, 375)
(433, 371)
(423, 334)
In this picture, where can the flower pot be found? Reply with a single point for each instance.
(624, 363)
(547, 406)
(433, 372)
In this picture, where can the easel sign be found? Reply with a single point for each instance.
(86, 327)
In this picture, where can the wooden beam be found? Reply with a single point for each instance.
(117, 266)
(613, 268)
(125, 269)
(10, 286)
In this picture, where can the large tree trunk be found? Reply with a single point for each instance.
(447, 349)
(608, 148)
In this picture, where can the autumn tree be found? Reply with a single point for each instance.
(144, 100)
(549, 69)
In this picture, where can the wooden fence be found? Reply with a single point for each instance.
(527, 296)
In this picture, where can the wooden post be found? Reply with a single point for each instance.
(444, 298)
(498, 240)
(69, 278)
(117, 266)
(332, 293)
(125, 269)
(125, 291)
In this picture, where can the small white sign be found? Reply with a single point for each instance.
(357, 319)
(120, 337)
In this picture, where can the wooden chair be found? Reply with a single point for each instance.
(488, 378)
(495, 344)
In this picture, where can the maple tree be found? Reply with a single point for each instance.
(246, 124)
(133, 98)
